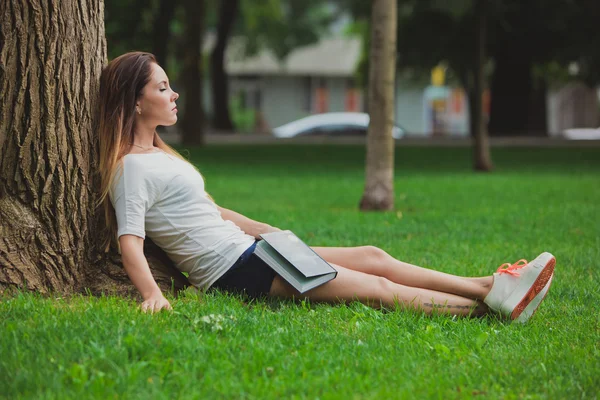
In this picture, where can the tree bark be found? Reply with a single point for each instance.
(228, 11)
(51, 57)
(162, 30)
(482, 160)
(379, 179)
(193, 116)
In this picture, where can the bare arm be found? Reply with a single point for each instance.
(136, 266)
(250, 226)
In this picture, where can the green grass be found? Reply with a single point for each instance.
(447, 217)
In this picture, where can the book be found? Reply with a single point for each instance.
(294, 260)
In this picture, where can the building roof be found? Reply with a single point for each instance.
(337, 56)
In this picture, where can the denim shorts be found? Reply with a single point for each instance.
(249, 275)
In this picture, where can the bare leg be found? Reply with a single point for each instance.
(350, 285)
(374, 261)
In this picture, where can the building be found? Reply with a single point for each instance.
(266, 92)
(312, 79)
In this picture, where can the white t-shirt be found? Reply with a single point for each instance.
(162, 196)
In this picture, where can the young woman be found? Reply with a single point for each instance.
(147, 188)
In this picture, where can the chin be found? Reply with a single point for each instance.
(171, 122)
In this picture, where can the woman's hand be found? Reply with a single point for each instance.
(249, 226)
(266, 229)
(136, 266)
(155, 303)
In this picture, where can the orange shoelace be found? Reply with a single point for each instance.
(512, 269)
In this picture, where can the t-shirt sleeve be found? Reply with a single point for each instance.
(133, 193)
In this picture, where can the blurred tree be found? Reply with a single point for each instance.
(379, 176)
(192, 74)
(527, 40)
(128, 26)
(228, 10)
(522, 37)
(529, 36)
(482, 159)
(278, 25)
(51, 233)
(283, 25)
(160, 25)
(522, 33)
(431, 32)
(582, 47)
(162, 30)
(141, 25)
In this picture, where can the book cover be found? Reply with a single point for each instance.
(294, 260)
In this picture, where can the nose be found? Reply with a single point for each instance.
(175, 95)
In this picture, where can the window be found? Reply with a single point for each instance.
(321, 96)
(352, 97)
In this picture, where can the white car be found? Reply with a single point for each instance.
(331, 124)
(582, 134)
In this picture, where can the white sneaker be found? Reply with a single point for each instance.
(520, 285)
(533, 305)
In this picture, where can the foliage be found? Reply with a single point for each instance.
(447, 217)
(128, 25)
(361, 28)
(243, 118)
(433, 31)
(429, 35)
(280, 25)
(283, 25)
(577, 35)
(429, 31)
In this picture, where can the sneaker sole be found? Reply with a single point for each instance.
(530, 310)
(528, 291)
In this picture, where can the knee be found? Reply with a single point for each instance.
(373, 255)
(384, 285)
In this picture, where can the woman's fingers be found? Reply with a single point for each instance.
(156, 305)
(167, 305)
(148, 306)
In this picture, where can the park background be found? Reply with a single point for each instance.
(541, 69)
(69, 320)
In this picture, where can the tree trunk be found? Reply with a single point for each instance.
(193, 116)
(482, 160)
(162, 30)
(379, 180)
(220, 91)
(51, 57)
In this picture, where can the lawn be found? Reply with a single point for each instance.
(447, 217)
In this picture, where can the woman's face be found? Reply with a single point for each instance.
(156, 105)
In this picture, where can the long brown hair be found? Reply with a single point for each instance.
(121, 84)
